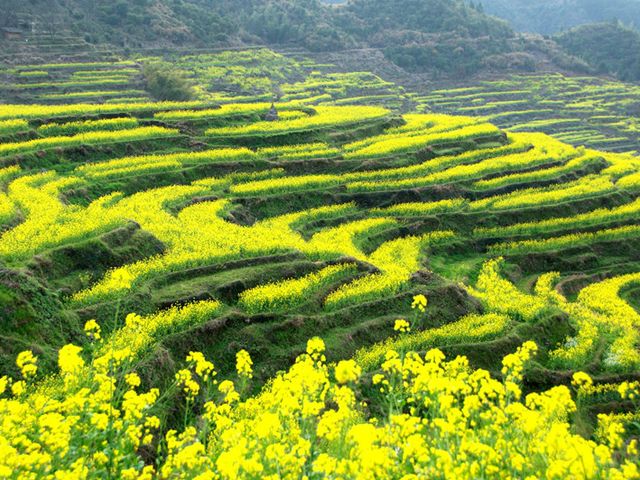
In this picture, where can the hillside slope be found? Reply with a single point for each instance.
(445, 35)
(193, 22)
(610, 48)
(446, 38)
(551, 16)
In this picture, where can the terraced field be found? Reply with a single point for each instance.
(263, 75)
(588, 111)
(146, 231)
(63, 83)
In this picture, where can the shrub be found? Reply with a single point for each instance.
(167, 83)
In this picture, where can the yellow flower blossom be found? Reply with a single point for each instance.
(347, 371)
(227, 388)
(203, 367)
(629, 390)
(133, 320)
(442, 418)
(69, 359)
(189, 386)
(244, 364)
(419, 302)
(92, 330)
(18, 388)
(581, 380)
(402, 326)
(132, 379)
(27, 363)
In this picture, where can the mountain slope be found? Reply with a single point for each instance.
(419, 35)
(181, 22)
(610, 48)
(441, 37)
(423, 16)
(551, 16)
(132, 23)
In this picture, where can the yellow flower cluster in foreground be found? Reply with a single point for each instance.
(438, 419)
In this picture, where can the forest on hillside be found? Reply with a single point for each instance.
(442, 37)
(548, 17)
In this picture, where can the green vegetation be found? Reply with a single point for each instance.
(166, 83)
(445, 38)
(610, 48)
(466, 35)
(588, 111)
(552, 16)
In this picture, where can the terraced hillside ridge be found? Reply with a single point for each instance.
(585, 111)
(112, 81)
(143, 240)
(588, 111)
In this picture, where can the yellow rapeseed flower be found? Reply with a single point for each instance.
(92, 330)
(629, 390)
(419, 302)
(134, 321)
(203, 367)
(69, 359)
(315, 349)
(315, 345)
(244, 364)
(122, 279)
(189, 386)
(347, 371)
(132, 379)
(228, 389)
(402, 326)
(27, 363)
(18, 388)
